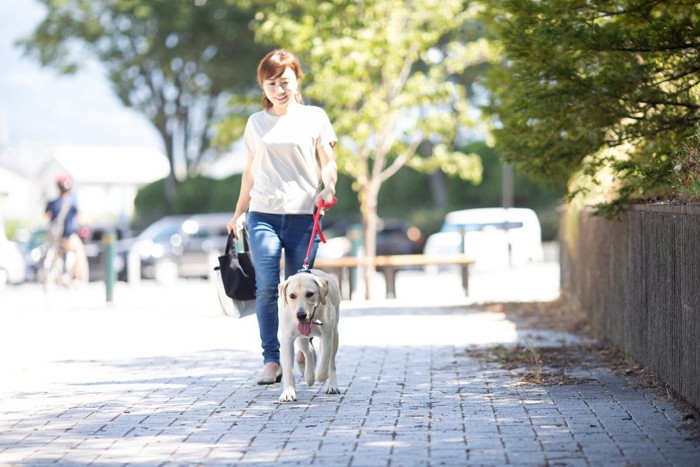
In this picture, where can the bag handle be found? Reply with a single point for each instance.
(231, 242)
(246, 247)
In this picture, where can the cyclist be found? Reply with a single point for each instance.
(63, 230)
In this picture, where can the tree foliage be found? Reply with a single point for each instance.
(176, 63)
(596, 83)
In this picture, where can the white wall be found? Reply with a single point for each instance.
(18, 200)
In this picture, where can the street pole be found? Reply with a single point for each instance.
(108, 241)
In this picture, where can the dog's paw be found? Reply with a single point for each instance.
(332, 389)
(289, 395)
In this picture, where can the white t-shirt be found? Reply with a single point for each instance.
(286, 174)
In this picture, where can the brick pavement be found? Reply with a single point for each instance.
(150, 381)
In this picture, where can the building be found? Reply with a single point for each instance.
(106, 180)
(15, 195)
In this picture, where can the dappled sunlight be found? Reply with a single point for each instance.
(139, 384)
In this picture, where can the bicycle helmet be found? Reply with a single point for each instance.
(64, 182)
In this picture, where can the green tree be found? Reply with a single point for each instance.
(588, 84)
(175, 62)
(385, 72)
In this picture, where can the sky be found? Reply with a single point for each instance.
(40, 109)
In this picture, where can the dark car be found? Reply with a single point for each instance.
(399, 237)
(182, 246)
(394, 236)
(95, 246)
(34, 250)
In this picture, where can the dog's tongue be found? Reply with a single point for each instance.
(304, 327)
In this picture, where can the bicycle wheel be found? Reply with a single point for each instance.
(51, 274)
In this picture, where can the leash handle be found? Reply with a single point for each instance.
(318, 212)
(323, 204)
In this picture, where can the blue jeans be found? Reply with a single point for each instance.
(269, 234)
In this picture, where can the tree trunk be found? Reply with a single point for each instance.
(171, 187)
(368, 208)
(438, 189)
(171, 182)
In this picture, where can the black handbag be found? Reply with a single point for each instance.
(237, 271)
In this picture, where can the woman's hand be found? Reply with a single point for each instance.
(236, 224)
(326, 195)
(329, 173)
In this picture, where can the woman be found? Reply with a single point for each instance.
(63, 215)
(290, 167)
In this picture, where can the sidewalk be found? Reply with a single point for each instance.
(161, 377)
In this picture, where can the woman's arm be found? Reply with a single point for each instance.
(236, 223)
(329, 172)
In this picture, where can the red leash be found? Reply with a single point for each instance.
(318, 209)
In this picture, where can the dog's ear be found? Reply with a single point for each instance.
(322, 288)
(282, 289)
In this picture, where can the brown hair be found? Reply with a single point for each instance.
(273, 65)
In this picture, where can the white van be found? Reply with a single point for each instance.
(494, 237)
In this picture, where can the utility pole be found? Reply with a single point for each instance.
(507, 202)
(507, 186)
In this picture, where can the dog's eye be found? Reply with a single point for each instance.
(309, 294)
(292, 296)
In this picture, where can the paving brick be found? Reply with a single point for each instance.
(186, 396)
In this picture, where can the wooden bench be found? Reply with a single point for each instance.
(389, 265)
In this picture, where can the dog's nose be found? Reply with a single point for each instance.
(301, 315)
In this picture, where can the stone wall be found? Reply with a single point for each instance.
(638, 279)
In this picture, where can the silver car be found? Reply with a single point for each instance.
(182, 246)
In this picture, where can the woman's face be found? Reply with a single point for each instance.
(281, 90)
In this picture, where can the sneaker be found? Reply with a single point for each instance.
(270, 374)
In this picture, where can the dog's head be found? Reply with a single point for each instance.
(300, 295)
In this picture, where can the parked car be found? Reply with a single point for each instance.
(182, 246)
(12, 265)
(33, 251)
(494, 237)
(394, 237)
(95, 246)
(92, 236)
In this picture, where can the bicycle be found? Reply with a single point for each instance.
(62, 267)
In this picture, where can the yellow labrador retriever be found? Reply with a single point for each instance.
(308, 307)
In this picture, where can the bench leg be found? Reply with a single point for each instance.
(465, 279)
(390, 279)
(351, 282)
